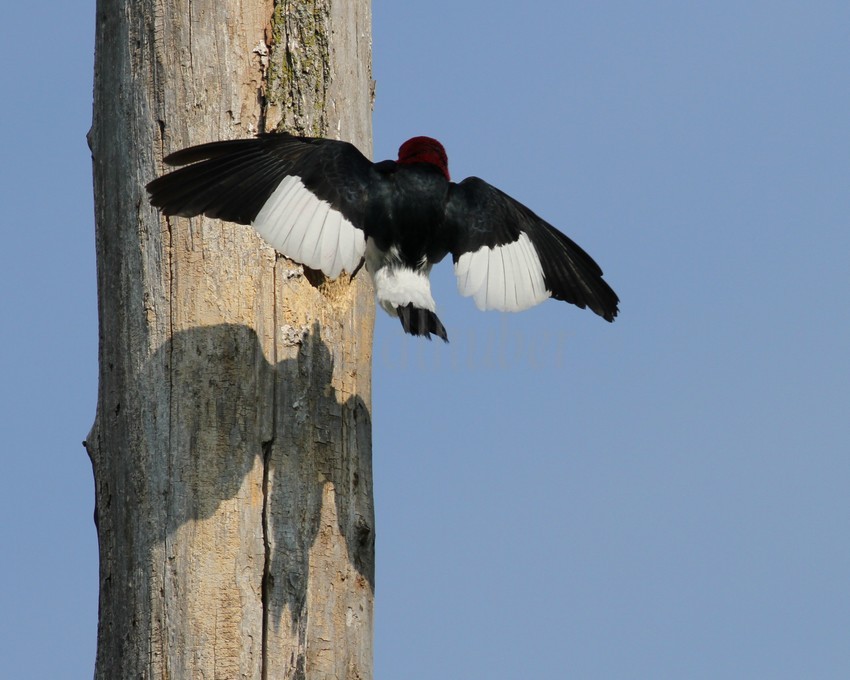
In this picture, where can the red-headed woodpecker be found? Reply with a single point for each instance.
(323, 204)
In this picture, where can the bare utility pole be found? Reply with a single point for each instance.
(232, 442)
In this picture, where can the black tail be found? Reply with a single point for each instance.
(418, 321)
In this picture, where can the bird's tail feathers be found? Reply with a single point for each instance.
(418, 321)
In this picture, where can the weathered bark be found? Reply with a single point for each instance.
(231, 447)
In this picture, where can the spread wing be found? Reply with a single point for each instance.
(305, 196)
(508, 258)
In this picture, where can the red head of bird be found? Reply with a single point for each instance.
(424, 150)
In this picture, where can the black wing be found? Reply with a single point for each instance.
(305, 196)
(508, 258)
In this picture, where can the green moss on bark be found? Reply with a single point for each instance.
(299, 65)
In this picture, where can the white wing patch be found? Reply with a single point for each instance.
(308, 230)
(508, 278)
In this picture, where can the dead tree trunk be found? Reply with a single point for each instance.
(231, 446)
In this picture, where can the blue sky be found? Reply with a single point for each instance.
(662, 497)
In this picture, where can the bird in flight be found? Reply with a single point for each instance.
(323, 204)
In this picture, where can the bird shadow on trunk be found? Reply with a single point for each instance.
(306, 451)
